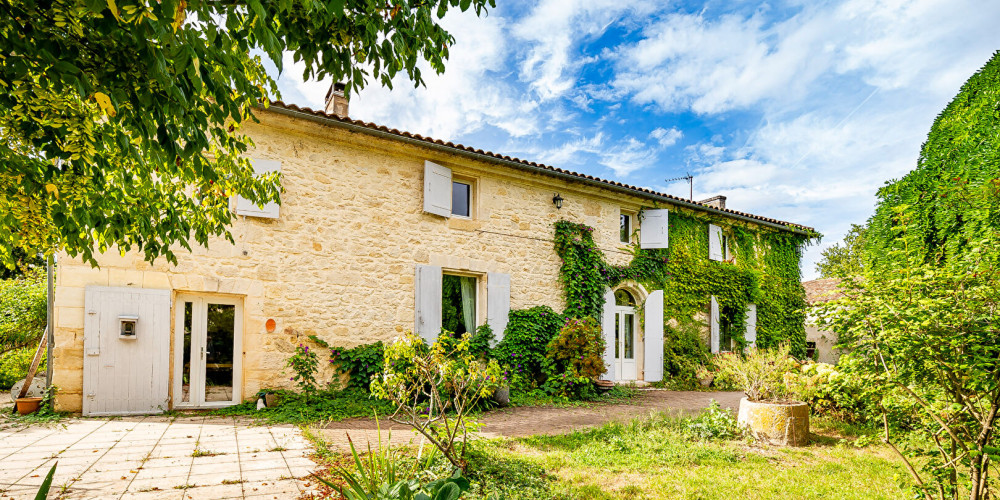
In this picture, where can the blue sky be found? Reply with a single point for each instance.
(796, 110)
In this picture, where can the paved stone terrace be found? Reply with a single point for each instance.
(155, 457)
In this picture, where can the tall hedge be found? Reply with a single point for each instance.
(952, 198)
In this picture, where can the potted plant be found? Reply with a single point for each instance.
(767, 411)
(704, 375)
(26, 406)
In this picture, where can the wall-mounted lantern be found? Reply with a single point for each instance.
(126, 326)
(557, 200)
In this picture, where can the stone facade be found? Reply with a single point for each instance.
(339, 262)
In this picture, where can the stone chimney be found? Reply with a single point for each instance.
(336, 102)
(715, 201)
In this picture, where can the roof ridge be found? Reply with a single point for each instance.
(462, 147)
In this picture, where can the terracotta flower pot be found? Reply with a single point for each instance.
(271, 400)
(603, 385)
(781, 423)
(28, 405)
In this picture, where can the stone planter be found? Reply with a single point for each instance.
(502, 396)
(782, 424)
(707, 381)
(271, 400)
(603, 386)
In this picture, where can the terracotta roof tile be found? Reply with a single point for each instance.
(822, 290)
(449, 144)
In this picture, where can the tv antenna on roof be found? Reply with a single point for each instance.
(690, 179)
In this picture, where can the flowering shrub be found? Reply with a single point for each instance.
(434, 389)
(574, 358)
(304, 363)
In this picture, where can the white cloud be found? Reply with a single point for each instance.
(665, 137)
(553, 31)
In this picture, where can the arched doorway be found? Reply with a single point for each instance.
(626, 334)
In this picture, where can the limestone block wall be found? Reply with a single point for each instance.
(339, 262)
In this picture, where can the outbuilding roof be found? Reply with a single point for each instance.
(391, 133)
(822, 290)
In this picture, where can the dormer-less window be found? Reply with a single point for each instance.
(461, 199)
(625, 228)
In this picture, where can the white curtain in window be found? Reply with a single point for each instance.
(469, 303)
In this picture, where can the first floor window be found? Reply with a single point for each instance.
(458, 303)
(726, 330)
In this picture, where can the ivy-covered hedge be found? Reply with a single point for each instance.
(22, 311)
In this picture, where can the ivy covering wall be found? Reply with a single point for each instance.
(764, 270)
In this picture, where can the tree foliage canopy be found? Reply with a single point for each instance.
(120, 119)
(843, 259)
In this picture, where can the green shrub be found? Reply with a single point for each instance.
(482, 342)
(360, 363)
(525, 341)
(14, 366)
(574, 358)
(22, 311)
(683, 353)
(713, 423)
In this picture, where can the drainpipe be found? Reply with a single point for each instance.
(49, 330)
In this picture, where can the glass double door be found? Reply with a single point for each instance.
(625, 366)
(207, 351)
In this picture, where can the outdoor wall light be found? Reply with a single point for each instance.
(557, 200)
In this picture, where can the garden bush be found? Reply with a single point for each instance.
(22, 311)
(14, 366)
(574, 358)
(683, 353)
(713, 423)
(525, 344)
(360, 363)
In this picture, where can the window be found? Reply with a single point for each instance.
(461, 199)
(726, 330)
(625, 228)
(458, 303)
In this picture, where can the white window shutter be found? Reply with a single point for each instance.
(427, 303)
(437, 189)
(653, 337)
(497, 303)
(654, 231)
(608, 326)
(715, 325)
(245, 207)
(751, 333)
(714, 242)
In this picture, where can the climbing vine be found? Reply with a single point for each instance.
(762, 260)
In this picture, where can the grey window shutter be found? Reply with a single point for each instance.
(654, 231)
(608, 326)
(751, 332)
(245, 207)
(715, 325)
(714, 242)
(427, 304)
(497, 302)
(437, 189)
(653, 337)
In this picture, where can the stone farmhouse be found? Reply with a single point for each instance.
(379, 231)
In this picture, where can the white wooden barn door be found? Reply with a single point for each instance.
(126, 368)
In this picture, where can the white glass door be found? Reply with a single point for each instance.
(207, 351)
(625, 343)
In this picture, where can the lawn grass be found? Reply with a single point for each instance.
(654, 458)
(657, 457)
